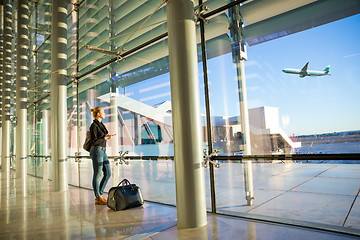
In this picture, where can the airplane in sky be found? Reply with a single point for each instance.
(304, 72)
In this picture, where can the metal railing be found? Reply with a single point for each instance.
(254, 158)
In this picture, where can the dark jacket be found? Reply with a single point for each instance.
(98, 132)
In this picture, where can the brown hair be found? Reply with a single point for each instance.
(95, 111)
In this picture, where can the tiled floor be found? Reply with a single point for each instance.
(44, 214)
(317, 193)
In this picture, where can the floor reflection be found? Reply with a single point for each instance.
(72, 214)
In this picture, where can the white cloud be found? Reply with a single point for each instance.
(352, 55)
(165, 84)
(155, 97)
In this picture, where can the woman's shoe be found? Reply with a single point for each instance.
(103, 199)
(100, 201)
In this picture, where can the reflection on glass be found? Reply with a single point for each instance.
(94, 31)
(287, 114)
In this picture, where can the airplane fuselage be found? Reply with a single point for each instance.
(307, 73)
(304, 72)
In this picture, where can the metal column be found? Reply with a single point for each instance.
(245, 129)
(245, 126)
(1, 70)
(137, 126)
(189, 172)
(239, 55)
(6, 87)
(208, 113)
(76, 101)
(45, 136)
(21, 87)
(58, 94)
(114, 129)
(114, 124)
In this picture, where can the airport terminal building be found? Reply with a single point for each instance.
(221, 141)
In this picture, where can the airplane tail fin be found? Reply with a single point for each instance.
(327, 69)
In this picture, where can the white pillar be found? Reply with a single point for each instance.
(58, 95)
(185, 100)
(1, 72)
(21, 87)
(6, 86)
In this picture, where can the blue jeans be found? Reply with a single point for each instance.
(102, 171)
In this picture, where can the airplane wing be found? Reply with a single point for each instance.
(303, 71)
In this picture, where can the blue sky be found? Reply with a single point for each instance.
(306, 105)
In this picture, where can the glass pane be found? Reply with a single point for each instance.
(73, 172)
(42, 27)
(306, 115)
(143, 102)
(135, 95)
(72, 118)
(93, 31)
(38, 134)
(288, 115)
(136, 22)
(30, 140)
(86, 173)
(90, 89)
(155, 177)
(43, 145)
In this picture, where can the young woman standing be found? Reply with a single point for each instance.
(101, 166)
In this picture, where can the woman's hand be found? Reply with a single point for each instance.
(109, 136)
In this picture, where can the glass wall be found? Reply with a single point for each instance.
(291, 112)
(135, 94)
(39, 147)
(303, 129)
(93, 30)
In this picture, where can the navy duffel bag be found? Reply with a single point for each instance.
(124, 196)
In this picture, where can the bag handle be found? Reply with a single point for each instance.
(124, 182)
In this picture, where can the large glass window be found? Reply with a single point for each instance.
(311, 114)
(289, 114)
(115, 62)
